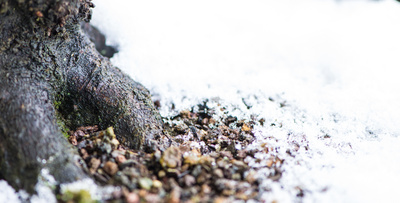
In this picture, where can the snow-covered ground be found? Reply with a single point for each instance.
(333, 63)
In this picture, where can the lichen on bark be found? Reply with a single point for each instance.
(50, 72)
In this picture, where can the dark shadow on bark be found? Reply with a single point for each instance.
(99, 40)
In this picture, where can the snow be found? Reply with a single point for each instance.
(45, 187)
(7, 193)
(333, 63)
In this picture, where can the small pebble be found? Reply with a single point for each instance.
(219, 173)
(110, 167)
(174, 196)
(269, 163)
(72, 140)
(251, 176)
(221, 200)
(246, 128)
(185, 114)
(161, 174)
(205, 189)
(236, 176)
(114, 143)
(143, 193)
(84, 153)
(132, 198)
(157, 183)
(171, 158)
(120, 159)
(94, 165)
(189, 180)
(79, 133)
(145, 183)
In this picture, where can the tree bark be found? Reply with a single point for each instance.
(51, 79)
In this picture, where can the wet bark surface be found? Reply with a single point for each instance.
(52, 79)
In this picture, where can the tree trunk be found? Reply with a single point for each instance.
(51, 79)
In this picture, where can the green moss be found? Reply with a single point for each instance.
(60, 121)
(57, 105)
(64, 129)
(4, 7)
(81, 196)
(57, 100)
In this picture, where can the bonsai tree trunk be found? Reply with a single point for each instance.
(52, 78)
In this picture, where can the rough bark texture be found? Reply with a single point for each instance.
(52, 78)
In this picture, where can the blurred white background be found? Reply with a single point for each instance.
(335, 63)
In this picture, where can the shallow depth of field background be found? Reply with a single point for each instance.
(334, 63)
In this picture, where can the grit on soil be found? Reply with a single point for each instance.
(207, 160)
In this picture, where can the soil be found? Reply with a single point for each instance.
(205, 161)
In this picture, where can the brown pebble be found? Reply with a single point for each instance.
(114, 143)
(218, 173)
(211, 121)
(174, 196)
(228, 192)
(161, 174)
(132, 198)
(205, 189)
(246, 128)
(110, 167)
(221, 200)
(185, 167)
(142, 193)
(94, 165)
(251, 176)
(189, 180)
(157, 184)
(171, 158)
(236, 176)
(84, 153)
(120, 159)
(185, 114)
(269, 163)
(204, 121)
(80, 133)
(72, 140)
(39, 14)
(241, 154)
(241, 196)
(227, 154)
(201, 178)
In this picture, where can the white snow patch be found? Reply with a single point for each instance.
(43, 189)
(7, 193)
